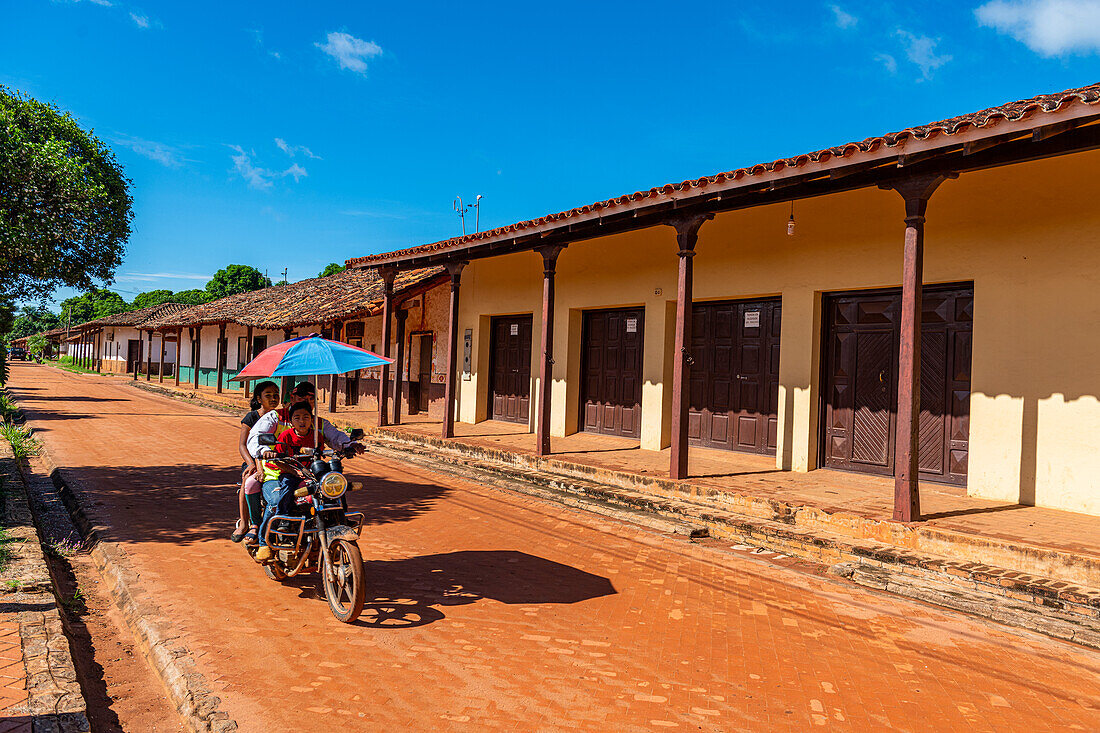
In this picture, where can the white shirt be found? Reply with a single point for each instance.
(334, 437)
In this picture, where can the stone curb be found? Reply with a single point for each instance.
(1068, 613)
(55, 702)
(173, 662)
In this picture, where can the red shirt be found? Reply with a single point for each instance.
(291, 442)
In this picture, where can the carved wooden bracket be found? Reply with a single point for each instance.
(687, 231)
(550, 254)
(454, 268)
(916, 190)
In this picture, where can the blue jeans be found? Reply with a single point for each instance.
(279, 495)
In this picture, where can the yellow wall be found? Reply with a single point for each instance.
(1027, 235)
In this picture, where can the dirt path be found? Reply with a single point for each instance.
(490, 610)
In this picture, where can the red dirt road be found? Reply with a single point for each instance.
(492, 610)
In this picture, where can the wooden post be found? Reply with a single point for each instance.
(916, 192)
(179, 341)
(196, 353)
(687, 235)
(160, 376)
(455, 270)
(388, 274)
(247, 358)
(546, 365)
(398, 370)
(220, 351)
(336, 328)
(83, 348)
(285, 385)
(149, 359)
(98, 338)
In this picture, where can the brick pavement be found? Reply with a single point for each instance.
(14, 716)
(487, 610)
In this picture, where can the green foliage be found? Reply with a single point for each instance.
(152, 297)
(331, 269)
(36, 345)
(66, 363)
(235, 279)
(7, 316)
(191, 297)
(22, 444)
(95, 303)
(66, 210)
(6, 553)
(32, 320)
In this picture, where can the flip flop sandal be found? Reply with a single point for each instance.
(237, 536)
(253, 537)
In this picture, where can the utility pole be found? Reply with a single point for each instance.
(461, 211)
(285, 269)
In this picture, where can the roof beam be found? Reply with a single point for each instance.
(977, 146)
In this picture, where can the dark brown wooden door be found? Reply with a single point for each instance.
(134, 350)
(860, 391)
(425, 372)
(734, 378)
(611, 367)
(510, 386)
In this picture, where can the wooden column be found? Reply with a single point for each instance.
(247, 359)
(220, 351)
(196, 353)
(285, 385)
(687, 235)
(179, 341)
(149, 359)
(97, 359)
(337, 327)
(388, 274)
(160, 369)
(546, 364)
(916, 192)
(83, 349)
(449, 391)
(398, 372)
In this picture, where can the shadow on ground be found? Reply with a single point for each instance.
(408, 593)
(186, 504)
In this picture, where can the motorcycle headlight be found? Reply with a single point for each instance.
(333, 485)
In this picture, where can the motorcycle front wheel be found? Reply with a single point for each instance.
(344, 586)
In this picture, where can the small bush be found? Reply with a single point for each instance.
(23, 445)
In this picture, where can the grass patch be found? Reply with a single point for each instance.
(5, 548)
(65, 548)
(23, 445)
(7, 407)
(74, 605)
(66, 363)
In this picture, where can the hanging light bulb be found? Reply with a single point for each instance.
(790, 222)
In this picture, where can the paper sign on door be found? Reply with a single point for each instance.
(514, 330)
(632, 325)
(752, 319)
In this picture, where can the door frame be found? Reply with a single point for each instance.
(581, 386)
(823, 371)
(493, 320)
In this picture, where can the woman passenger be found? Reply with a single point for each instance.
(265, 398)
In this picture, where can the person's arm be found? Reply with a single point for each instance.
(334, 437)
(265, 424)
(242, 444)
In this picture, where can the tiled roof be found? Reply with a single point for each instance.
(349, 294)
(987, 118)
(140, 316)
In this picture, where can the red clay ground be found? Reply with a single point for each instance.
(491, 610)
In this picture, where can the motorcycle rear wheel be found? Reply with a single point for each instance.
(345, 588)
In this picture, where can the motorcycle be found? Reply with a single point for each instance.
(319, 533)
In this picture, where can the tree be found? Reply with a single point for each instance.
(153, 297)
(33, 320)
(95, 303)
(191, 297)
(331, 269)
(36, 345)
(65, 216)
(233, 279)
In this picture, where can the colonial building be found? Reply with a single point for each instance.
(923, 304)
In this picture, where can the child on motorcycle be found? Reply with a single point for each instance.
(265, 398)
(278, 484)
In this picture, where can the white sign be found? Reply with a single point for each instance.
(514, 330)
(632, 325)
(752, 319)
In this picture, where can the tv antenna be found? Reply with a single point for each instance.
(461, 211)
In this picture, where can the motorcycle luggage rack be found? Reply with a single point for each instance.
(355, 520)
(297, 534)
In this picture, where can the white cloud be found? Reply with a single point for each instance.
(142, 21)
(291, 150)
(166, 155)
(351, 52)
(921, 50)
(1048, 27)
(843, 19)
(888, 61)
(258, 37)
(258, 178)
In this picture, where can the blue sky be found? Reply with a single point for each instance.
(289, 134)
